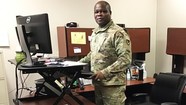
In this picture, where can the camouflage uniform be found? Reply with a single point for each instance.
(111, 54)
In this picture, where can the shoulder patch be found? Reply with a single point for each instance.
(128, 41)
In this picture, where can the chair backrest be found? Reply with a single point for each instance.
(168, 87)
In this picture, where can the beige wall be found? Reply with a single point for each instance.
(133, 13)
(170, 13)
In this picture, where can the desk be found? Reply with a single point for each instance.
(133, 86)
(51, 81)
(148, 80)
(89, 88)
(67, 100)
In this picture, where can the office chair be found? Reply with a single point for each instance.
(167, 90)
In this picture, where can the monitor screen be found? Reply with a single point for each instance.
(34, 35)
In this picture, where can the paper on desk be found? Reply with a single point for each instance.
(72, 63)
(87, 81)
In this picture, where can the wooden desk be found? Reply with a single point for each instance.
(89, 88)
(67, 100)
(148, 80)
(133, 86)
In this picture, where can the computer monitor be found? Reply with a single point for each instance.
(34, 36)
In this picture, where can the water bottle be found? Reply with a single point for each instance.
(144, 71)
(128, 74)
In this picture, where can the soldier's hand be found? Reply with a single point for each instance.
(98, 76)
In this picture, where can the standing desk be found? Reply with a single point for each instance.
(49, 72)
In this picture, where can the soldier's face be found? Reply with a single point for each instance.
(102, 14)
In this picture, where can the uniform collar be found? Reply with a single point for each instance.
(102, 29)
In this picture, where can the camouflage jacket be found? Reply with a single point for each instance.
(110, 53)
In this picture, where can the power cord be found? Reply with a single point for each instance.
(16, 101)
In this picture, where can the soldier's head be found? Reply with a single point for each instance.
(102, 13)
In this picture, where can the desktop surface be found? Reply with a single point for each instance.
(148, 80)
(49, 101)
(65, 65)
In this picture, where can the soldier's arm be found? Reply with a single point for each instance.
(122, 45)
(86, 59)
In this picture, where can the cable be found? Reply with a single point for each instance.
(16, 68)
(25, 80)
(23, 84)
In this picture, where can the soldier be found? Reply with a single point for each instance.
(109, 57)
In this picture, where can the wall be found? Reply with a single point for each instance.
(170, 13)
(133, 13)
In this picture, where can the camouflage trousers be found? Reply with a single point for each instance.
(110, 95)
